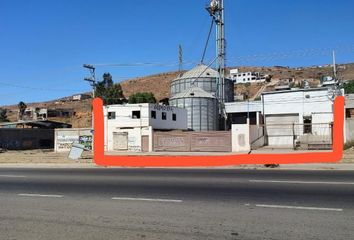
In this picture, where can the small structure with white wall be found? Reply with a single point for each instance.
(64, 138)
(130, 127)
(33, 113)
(81, 97)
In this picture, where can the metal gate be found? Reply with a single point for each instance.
(299, 136)
(279, 129)
(144, 143)
(120, 141)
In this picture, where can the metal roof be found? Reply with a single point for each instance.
(193, 92)
(201, 71)
(242, 107)
(297, 90)
(38, 123)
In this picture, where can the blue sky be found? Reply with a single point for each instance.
(43, 44)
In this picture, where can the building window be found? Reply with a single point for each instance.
(111, 115)
(163, 115)
(136, 114)
(307, 124)
(174, 116)
(244, 74)
(153, 114)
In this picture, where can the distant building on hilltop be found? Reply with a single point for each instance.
(81, 97)
(247, 77)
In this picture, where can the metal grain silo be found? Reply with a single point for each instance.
(203, 77)
(202, 108)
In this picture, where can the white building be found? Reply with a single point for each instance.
(288, 118)
(32, 113)
(129, 127)
(310, 111)
(81, 97)
(246, 77)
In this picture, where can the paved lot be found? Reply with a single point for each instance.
(102, 203)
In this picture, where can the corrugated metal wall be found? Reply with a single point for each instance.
(207, 84)
(27, 138)
(203, 113)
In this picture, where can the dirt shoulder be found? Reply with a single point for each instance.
(40, 156)
(46, 156)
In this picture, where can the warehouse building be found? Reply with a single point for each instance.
(297, 118)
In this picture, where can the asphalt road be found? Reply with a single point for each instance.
(175, 204)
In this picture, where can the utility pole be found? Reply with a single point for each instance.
(180, 58)
(92, 81)
(92, 78)
(334, 65)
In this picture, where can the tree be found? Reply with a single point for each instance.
(165, 101)
(142, 97)
(109, 92)
(22, 108)
(3, 115)
(107, 80)
(349, 87)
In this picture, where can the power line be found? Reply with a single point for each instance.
(33, 88)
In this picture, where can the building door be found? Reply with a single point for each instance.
(280, 129)
(144, 143)
(120, 141)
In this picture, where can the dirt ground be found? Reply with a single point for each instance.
(47, 156)
(40, 156)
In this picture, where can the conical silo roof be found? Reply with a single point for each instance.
(201, 71)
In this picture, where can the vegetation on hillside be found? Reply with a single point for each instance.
(22, 108)
(142, 97)
(3, 115)
(109, 92)
(349, 87)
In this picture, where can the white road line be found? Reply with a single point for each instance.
(39, 195)
(302, 182)
(299, 207)
(12, 176)
(147, 199)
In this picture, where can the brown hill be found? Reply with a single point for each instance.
(159, 85)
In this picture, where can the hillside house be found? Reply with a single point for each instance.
(246, 77)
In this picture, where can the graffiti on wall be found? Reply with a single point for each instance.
(64, 142)
(86, 140)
